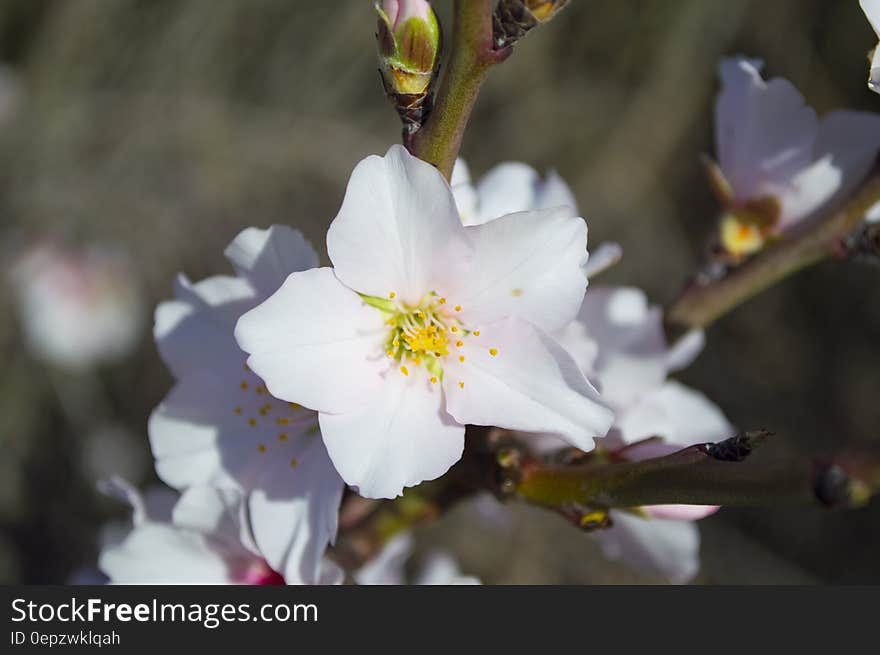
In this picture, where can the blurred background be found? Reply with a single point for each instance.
(137, 137)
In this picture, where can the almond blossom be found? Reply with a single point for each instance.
(778, 163)
(424, 325)
(622, 348)
(203, 538)
(220, 426)
(387, 568)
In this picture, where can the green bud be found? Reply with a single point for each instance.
(409, 45)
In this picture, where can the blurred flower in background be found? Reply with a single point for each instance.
(79, 307)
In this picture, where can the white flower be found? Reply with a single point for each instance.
(424, 325)
(79, 308)
(778, 163)
(623, 349)
(204, 538)
(872, 12)
(220, 426)
(387, 567)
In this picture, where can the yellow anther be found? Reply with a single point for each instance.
(261, 390)
(263, 411)
(390, 353)
(282, 436)
(252, 422)
(420, 313)
(461, 385)
(458, 308)
(476, 333)
(247, 368)
(442, 301)
(459, 344)
(433, 380)
(392, 322)
(417, 360)
(493, 351)
(238, 410)
(461, 358)
(392, 295)
(454, 328)
(293, 463)
(244, 385)
(261, 448)
(293, 405)
(281, 421)
(404, 370)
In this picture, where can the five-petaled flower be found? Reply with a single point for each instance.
(424, 325)
(220, 426)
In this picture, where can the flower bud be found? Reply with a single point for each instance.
(513, 18)
(409, 53)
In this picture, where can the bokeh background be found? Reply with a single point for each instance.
(160, 128)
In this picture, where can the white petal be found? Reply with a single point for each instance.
(632, 346)
(400, 438)
(154, 505)
(845, 151)
(873, 215)
(874, 75)
(294, 509)
(872, 13)
(315, 342)
(195, 330)
(440, 568)
(211, 511)
(506, 189)
(680, 415)
(528, 265)
(266, 257)
(671, 548)
(464, 193)
(764, 131)
(603, 258)
(684, 351)
(156, 553)
(387, 568)
(531, 384)
(554, 192)
(398, 228)
(578, 343)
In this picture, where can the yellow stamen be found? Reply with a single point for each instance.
(493, 351)
(282, 437)
(459, 344)
(458, 308)
(261, 448)
(433, 380)
(243, 385)
(252, 422)
(461, 385)
(293, 463)
(392, 295)
(476, 333)
(404, 370)
(461, 358)
(238, 410)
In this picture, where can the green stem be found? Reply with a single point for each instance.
(702, 304)
(699, 476)
(472, 55)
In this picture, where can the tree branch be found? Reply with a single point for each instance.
(702, 303)
(472, 55)
(709, 474)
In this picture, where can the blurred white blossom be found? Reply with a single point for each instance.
(425, 325)
(204, 538)
(220, 426)
(78, 308)
(388, 566)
